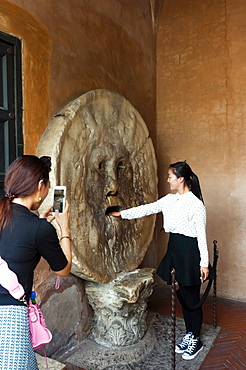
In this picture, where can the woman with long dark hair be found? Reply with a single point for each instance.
(24, 238)
(184, 217)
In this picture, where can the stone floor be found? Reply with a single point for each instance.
(53, 364)
(152, 353)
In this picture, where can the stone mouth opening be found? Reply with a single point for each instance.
(112, 209)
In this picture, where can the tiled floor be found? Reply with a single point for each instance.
(153, 352)
(229, 349)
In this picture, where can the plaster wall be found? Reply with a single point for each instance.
(36, 52)
(97, 44)
(201, 100)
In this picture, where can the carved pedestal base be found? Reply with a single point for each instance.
(120, 307)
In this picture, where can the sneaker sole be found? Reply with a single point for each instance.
(191, 357)
(177, 350)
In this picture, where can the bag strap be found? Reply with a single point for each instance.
(57, 283)
(9, 280)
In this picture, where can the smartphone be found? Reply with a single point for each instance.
(202, 281)
(59, 198)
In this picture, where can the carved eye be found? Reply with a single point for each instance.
(100, 165)
(121, 165)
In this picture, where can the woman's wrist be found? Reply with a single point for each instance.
(65, 231)
(66, 237)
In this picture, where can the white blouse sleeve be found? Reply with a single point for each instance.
(200, 224)
(143, 210)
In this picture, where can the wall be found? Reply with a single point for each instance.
(36, 52)
(201, 100)
(201, 94)
(95, 44)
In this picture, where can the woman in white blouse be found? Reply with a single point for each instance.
(184, 217)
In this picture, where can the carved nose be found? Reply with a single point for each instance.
(112, 200)
(113, 205)
(112, 193)
(112, 185)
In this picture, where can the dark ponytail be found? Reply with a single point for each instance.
(21, 180)
(5, 212)
(182, 169)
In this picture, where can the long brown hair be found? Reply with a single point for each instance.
(21, 180)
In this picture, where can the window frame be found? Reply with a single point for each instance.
(10, 102)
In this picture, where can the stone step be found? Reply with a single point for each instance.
(53, 364)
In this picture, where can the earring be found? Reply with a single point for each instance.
(39, 198)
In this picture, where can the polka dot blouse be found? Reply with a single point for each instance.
(182, 214)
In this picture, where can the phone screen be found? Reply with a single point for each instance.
(59, 200)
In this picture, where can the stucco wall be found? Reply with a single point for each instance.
(36, 52)
(200, 91)
(201, 100)
(98, 44)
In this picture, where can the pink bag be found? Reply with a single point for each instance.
(40, 335)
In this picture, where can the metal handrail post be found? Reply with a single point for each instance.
(173, 316)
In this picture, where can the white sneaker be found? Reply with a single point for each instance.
(195, 346)
(183, 346)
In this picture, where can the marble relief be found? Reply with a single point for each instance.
(101, 150)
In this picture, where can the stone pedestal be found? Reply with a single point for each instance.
(120, 307)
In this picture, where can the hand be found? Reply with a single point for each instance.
(115, 214)
(204, 273)
(63, 219)
(47, 214)
(65, 243)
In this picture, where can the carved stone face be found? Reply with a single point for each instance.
(101, 151)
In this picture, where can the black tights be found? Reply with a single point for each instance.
(193, 319)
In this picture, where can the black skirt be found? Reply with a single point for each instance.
(183, 255)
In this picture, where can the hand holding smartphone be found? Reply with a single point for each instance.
(59, 199)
